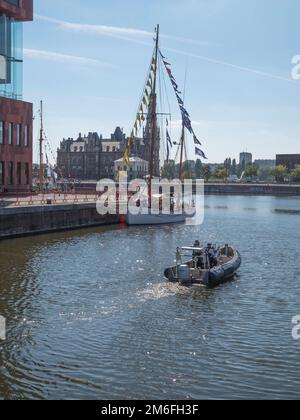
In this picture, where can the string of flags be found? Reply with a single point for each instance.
(185, 115)
(142, 110)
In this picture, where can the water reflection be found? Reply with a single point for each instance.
(90, 315)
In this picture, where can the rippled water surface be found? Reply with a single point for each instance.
(89, 314)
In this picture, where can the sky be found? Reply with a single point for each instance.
(88, 59)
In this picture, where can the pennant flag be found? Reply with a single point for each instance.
(149, 83)
(200, 153)
(167, 122)
(187, 123)
(145, 101)
(196, 141)
(169, 141)
(185, 115)
(174, 84)
(184, 111)
(126, 156)
(180, 101)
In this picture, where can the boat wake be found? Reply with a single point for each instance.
(160, 291)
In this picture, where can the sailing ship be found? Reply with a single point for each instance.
(148, 111)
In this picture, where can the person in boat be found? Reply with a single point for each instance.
(211, 252)
(198, 255)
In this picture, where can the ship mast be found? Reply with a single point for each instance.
(153, 112)
(41, 141)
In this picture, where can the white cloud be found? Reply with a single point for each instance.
(64, 58)
(126, 34)
(143, 37)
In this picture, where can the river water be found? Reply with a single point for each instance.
(90, 316)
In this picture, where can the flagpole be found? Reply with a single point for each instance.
(153, 117)
(41, 171)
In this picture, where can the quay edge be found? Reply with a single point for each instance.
(28, 221)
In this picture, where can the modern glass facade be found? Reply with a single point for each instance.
(11, 58)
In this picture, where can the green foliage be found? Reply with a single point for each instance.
(221, 173)
(295, 174)
(207, 173)
(251, 171)
(280, 173)
(199, 169)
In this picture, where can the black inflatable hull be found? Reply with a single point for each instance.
(223, 273)
(216, 276)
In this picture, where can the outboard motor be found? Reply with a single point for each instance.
(184, 273)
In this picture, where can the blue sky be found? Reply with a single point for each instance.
(88, 60)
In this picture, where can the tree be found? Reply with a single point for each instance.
(227, 166)
(207, 172)
(234, 167)
(279, 173)
(221, 173)
(168, 170)
(264, 173)
(295, 174)
(198, 169)
(251, 171)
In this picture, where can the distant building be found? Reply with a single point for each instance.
(246, 158)
(92, 157)
(137, 169)
(290, 161)
(265, 163)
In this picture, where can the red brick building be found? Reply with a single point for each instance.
(15, 114)
(290, 161)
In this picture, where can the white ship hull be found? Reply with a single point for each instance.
(152, 219)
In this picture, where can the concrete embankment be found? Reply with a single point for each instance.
(253, 189)
(26, 220)
(229, 189)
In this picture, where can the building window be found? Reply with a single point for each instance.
(10, 133)
(1, 132)
(19, 134)
(26, 136)
(10, 173)
(19, 173)
(2, 175)
(11, 56)
(27, 173)
(13, 2)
